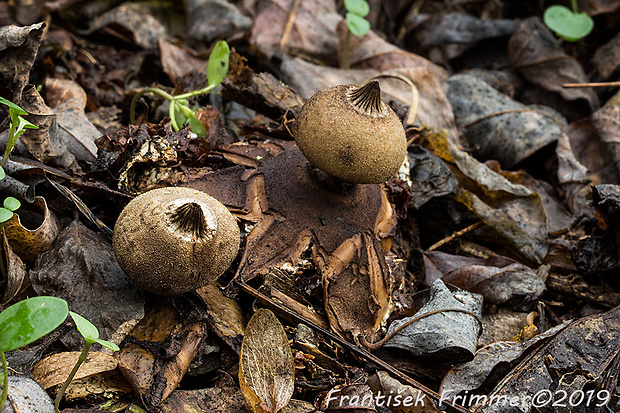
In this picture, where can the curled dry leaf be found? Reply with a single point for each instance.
(606, 59)
(536, 53)
(224, 316)
(18, 49)
(452, 333)
(492, 360)
(26, 395)
(373, 52)
(155, 369)
(29, 243)
(266, 368)
(16, 273)
(177, 62)
(143, 28)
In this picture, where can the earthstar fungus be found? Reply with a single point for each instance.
(350, 133)
(174, 240)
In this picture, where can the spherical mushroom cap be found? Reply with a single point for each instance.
(349, 133)
(173, 240)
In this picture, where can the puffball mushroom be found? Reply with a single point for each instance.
(174, 240)
(350, 133)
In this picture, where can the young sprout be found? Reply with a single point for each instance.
(91, 335)
(25, 322)
(568, 24)
(17, 126)
(356, 23)
(179, 111)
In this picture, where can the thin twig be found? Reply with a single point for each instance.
(289, 23)
(456, 235)
(594, 84)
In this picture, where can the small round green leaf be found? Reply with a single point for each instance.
(85, 327)
(29, 320)
(2, 173)
(359, 7)
(566, 24)
(218, 64)
(12, 204)
(5, 215)
(359, 26)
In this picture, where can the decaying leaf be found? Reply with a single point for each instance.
(493, 360)
(453, 333)
(74, 128)
(495, 126)
(498, 279)
(29, 243)
(18, 49)
(224, 315)
(159, 350)
(99, 367)
(16, 273)
(511, 209)
(266, 368)
(577, 359)
(81, 268)
(406, 399)
(535, 52)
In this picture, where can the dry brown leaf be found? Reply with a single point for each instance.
(54, 370)
(15, 272)
(28, 243)
(535, 52)
(266, 368)
(224, 316)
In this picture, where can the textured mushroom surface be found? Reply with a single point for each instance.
(173, 240)
(348, 132)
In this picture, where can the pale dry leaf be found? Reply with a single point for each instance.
(266, 369)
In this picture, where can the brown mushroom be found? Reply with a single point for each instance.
(350, 133)
(173, 240)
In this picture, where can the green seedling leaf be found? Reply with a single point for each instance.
(2, 173)
(90, 332)
(29, 320)
(5, 214)
(196, 126)
(13, 107)
(359, 7)
(566, 24)
(12, 204)
(359, 26)
(218, 64)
